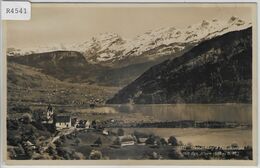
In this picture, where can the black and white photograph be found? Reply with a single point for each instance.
(131, 82)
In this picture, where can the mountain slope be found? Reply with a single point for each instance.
(111, 49)
(29, 85)
(71, 66)
(216, 71)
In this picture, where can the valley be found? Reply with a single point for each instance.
(168, 94)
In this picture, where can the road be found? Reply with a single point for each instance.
(55, 138)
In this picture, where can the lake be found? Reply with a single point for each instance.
(241, 113)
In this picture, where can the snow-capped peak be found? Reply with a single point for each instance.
(111, 47)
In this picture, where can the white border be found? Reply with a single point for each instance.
(146, 1)
(2, 61)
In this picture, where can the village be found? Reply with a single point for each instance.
(66, 129)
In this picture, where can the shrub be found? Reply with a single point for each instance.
(77, 141)
(12, 124)
(39, 126)
(163, 142)
(95, 155)
(98, 142)
(11, 153)
(63, 153)
(77, 156)
(120, 132)
(58, 143)
(175, 154)
(51, 150)
(180, 143)
(154, 156)
(234, 145)
(13, 138)
(150, 140)
(26, 118)
(63, 138)
(173, 141)
(38, 114)
(189, 145)
(247, 153)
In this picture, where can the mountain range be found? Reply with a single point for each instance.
(167, 65)
(218, 70)
(110, 49)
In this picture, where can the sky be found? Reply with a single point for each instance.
(72, 23)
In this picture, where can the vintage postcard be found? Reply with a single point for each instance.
(131, 84)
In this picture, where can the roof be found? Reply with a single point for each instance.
(62, 118)
(126, 138)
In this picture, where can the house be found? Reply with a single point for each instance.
(126, 140)
(87, 124)
(141, 140)
(62, 121)
(105, 132)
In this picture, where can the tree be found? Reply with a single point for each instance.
(117, 141)
(175, 154)
(51, 150)
(77, 141)
(173, 141)
(95, 155)
(58, 143)
(120, 132)
(12, 124)
(150, 140)
(94, 124)
(247, 153)
(64, 153)
(98, 142)
(77, 155)
(189, 145)
(180, 143)
(158, 142)
(234, 145)
(13, 138)
(26, 118)
(38, 114)
(163, 142)
(63, 138)
(154, 156)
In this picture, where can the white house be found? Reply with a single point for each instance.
(126, 140)
(62, 121)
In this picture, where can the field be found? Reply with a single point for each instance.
(128, 152)
(202, 136)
